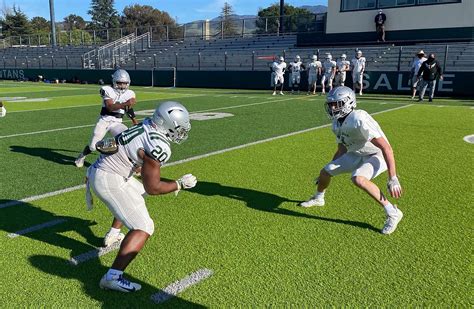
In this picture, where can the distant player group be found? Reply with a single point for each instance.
(330, 73)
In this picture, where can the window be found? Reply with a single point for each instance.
(394, 3)
(436, 1)
(349, 5)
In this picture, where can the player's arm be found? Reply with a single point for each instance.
(387, 151)
(111, 107)
(130, 112)
(341, 149)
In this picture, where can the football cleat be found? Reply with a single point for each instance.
(110, 239)
(392, 221)
(80, 160)
(120, 284)
(274, 93)
(281, 93)
(313, 201)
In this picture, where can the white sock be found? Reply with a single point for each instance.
(319, 195)
(390, 209)
(113, 274)
(114, 231)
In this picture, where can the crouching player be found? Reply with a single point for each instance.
(363, 150)
(146, 145)
(295, 68)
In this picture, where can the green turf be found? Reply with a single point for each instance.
(242, 221)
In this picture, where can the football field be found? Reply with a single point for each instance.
(238, 239)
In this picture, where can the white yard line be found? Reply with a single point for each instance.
(91, 125)
(36, 228)
(177, 287)
(95, 253)
(38, 197)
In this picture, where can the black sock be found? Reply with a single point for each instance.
(86, 151)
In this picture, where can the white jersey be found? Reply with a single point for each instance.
(296, 67)
(279, 68)
(356, 132)
(110, 93)
(328, 66)
(142, 136)
(342, 65)
(416, 65)
(313, 67)
(358, 65)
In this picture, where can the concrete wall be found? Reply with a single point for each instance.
(450, 15)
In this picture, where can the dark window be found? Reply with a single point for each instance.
(355, 5)
(348, 5)
(436, 1)
(393, 3)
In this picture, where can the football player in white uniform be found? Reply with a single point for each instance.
(314, 70)
(278, 74)
(116, 102)
(342, 67)
(358, 68)
(329, 67)
(296, 67)
(3, 111)
(363, 150)
(146, 145)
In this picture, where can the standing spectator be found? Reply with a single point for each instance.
(358, 68)
(278, 74)
(431, 71)
(415, 67)
(380, 19)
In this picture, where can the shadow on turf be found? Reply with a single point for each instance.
(24, 215)
(89, 275)
(48, 154)
(266, 202)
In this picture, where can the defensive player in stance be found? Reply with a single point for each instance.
(342, 67)
(295, 68)
(278, 74)
(314, 70)
(146, 145)
(329, 67)
(358, 68)
(363, 150)
(116, 101)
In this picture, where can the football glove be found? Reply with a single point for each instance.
(187, 181)
(394, 187)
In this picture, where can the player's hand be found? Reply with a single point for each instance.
(394, 187)
(187, 181)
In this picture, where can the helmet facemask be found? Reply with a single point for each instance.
(340, 102)
(173, 120)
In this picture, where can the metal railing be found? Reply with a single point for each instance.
(115, 53)
(196, 30)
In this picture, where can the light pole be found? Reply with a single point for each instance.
(53, 24)
(282, 12)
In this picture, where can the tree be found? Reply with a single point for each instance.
(228, 24)
(16, 23)
(72, 22)
(40, 24)
(145, 16)
(293, 19)
(103, 15)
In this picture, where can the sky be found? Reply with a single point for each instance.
(184, 11)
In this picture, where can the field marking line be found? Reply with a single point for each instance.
(38, 197)
(91, 125)
(178, 286)
(95, 253)
(36, 227)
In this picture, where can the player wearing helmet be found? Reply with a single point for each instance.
(363, 150)
(329, 67)
(358, 68)
(3, 111)
(342, 67)
(295, 68)
(117, 101)
(314, 70)
(278, 74)
(146, 145)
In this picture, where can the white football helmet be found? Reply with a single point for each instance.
(340, 102)
(329, 57)
(315, 58)
(297, 58)
(121, 80)
(359, 53)
(173, 118)
(282, 59)
(343, 56)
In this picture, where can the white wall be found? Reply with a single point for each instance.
(450, 15)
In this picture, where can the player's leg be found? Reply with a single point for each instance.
(361, 82)
(355, 80)
(414, 84)
(371, 167)
(281, 79)
(297, 84)
(342, 79)
(323, 86)
(99, 132)
(273, 82)
(432, 90)
(330, 80)
(344, 164)
(422, 90)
